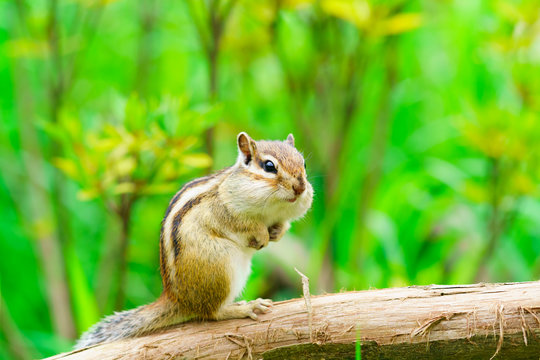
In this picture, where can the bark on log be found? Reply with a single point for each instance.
(479, 321)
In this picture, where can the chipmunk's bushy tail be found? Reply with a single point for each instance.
(131, 323)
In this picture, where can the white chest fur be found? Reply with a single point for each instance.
(240, 262)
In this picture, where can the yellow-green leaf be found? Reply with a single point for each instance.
(28, 48)
(357, 12)
(68, 167)
(169, 170)
(124, 166)
(522, 184)
(199, 160)
(92, 3)
(400, 23)
(88, 194)
(295, 4)
(71, 124)
(135, 113)
(475, 192)
(164, 188)
(509, 11)
(100, 143)
(84, 302)
(124, 188)
(43, 226)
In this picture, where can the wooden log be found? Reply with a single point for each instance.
(480, 321)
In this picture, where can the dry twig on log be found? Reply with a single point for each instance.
(479, 321)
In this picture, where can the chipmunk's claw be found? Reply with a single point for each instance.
(260, 305)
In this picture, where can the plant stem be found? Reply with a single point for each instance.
(125, 220)
(56, 98)
(147, 20)
(495, 223)
(17, 344)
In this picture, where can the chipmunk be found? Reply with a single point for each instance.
(210, 231)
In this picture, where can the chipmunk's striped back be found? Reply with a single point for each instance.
(183, 201)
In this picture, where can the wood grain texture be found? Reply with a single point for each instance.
(428, 322)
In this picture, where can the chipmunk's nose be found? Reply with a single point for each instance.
(299, 187)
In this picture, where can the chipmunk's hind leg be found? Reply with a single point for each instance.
(243, 309)
(202, 281)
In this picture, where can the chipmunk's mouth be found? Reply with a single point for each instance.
(292, 199)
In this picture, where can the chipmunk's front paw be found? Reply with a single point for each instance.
(276, 231)
(258, 243)
(259, 237)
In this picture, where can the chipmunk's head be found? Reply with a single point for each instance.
(272, 178)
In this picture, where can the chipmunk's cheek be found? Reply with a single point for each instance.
(271, 183)
(307, 197)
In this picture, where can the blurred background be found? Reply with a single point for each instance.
(419, 121)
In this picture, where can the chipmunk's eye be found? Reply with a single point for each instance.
(269, 166)
(305, 168)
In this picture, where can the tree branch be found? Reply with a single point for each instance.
(437, 322)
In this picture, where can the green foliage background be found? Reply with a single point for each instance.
(418, 119)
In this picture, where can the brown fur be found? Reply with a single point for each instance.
(289, 158)
(165, 278)
(196, 265)
(203, 283)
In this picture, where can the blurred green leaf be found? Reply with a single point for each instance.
(88, 194)
(124, 188)
(124, 166)
(135, 113)
(476, 193)
(84, 302)
(28, 48)
(68, 167)
(356, 11)
(165, 188)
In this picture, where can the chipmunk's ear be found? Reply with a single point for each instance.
(290, 140)
(246, 147)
